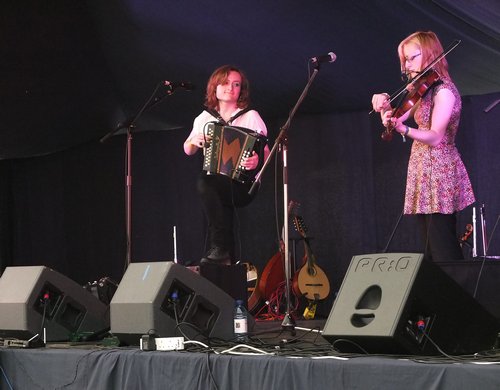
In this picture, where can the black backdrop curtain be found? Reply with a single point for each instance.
(67, 210)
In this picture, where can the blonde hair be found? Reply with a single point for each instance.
(430, 49)
(219, 76)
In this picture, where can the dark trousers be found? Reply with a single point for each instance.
(220, 196)
(439, 232)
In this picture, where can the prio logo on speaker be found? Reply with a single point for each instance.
(383, 264)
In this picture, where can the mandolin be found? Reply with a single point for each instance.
(310, 280)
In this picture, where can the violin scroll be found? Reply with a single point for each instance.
(387, 133)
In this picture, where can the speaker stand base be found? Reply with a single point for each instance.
(288, 324)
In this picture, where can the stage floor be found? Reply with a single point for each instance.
(274, 360)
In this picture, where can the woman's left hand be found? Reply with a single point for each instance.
(396, 123)
(400, 127)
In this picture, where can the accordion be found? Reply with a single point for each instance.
(228, 147)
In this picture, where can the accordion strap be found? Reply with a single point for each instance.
(217, 116)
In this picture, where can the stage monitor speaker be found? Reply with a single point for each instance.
(396, 303)
(168, 298)
(230, 278)
(36, 297)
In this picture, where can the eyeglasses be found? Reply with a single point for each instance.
(410, 59)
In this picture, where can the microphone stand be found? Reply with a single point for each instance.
(282, 141)
(129, 124)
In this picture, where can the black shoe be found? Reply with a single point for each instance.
(217, 255)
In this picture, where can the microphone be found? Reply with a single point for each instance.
(330, 57)
(406, 75)
(173, 85)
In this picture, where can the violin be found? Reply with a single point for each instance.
(415, 90)
(468, 231)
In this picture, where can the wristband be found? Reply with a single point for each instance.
(407, 131)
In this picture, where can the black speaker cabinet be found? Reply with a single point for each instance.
(479, 278)
(230, 278)
(389, 302)
(37, 297)
(166, 298)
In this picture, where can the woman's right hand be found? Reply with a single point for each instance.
(200, 140)
(195, 142)
(380, 102)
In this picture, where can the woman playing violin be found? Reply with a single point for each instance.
(437, 185)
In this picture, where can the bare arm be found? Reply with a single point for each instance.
(444, 101)
(193, 143)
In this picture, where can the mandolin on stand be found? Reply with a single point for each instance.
(310, 281)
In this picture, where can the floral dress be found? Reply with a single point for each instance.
(437, 180)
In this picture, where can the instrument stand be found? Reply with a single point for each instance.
(293, 255)
(288, 323)
(484, 235)
(129, 124)
(485, 243)
(491, 106)
(483, 230)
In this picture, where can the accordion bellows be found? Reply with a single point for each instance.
(228, 147)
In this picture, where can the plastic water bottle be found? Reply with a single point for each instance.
(240, 322)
